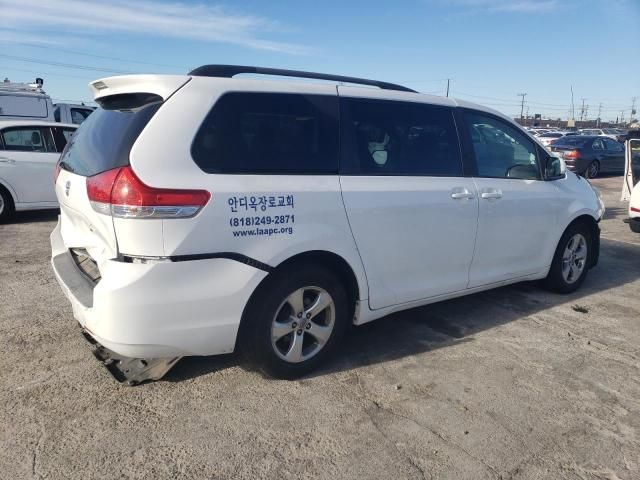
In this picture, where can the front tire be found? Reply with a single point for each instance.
(295, 322)
(571, 261)
(7, 208)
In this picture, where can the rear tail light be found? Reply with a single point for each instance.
(572, 154)
(120, 193)
(634, 209)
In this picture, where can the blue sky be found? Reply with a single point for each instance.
(490, 49)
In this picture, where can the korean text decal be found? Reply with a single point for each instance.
(264, 215)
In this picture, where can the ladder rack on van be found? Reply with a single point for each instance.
(229, 71)
(20, 87)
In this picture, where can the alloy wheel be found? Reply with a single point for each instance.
(574, 258)
(303, 324)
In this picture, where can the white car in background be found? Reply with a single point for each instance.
(536, 132)
(548, 138)
(612, 133)
(631, 186)
(29, 151)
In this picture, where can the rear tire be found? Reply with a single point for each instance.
(571, 261)
(282, 334)
(635, 226)
(593, 170)
(7, 208)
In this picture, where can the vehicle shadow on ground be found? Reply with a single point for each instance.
(439, 325)
(34, 216)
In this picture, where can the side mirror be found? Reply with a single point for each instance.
(554, 168)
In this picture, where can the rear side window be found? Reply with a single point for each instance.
(105, 138)
(61, 135)
(383, 137)
(28, 139)
(249, 132)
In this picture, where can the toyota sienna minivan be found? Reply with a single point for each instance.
(203, 213)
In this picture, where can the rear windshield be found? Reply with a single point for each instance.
(571, 140)
(105, 138)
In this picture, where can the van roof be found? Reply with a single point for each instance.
(165, 85)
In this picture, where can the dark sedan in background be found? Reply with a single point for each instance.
(590, 155)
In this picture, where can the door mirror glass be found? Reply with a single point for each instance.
(555, 168)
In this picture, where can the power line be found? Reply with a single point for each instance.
(44, 73)
(64, 65)
(104, 57)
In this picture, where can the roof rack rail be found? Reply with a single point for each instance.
(228, 71)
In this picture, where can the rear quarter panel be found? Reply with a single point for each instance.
(269, 218)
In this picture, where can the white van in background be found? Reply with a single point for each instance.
(71, 112)
(25, 101)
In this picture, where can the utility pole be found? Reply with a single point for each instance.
(448, 80)
(582, 109)
(622, 116)
(599, 112)
(633, 107)
(522, 105)
(573, 108)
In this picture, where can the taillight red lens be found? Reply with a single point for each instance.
(122, 194)
(634, 209)
(129, 190)
(99, 186)
(572, 154)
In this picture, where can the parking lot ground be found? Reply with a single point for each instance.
(512, 383)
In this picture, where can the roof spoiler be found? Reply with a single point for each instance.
(161, 85)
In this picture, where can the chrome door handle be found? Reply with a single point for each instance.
(459, 193)
(491, 194)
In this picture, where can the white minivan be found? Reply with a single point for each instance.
(25, 101)
(206, 212)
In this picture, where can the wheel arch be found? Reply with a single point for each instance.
(333, 261)
(5, 186)
(592, 224)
